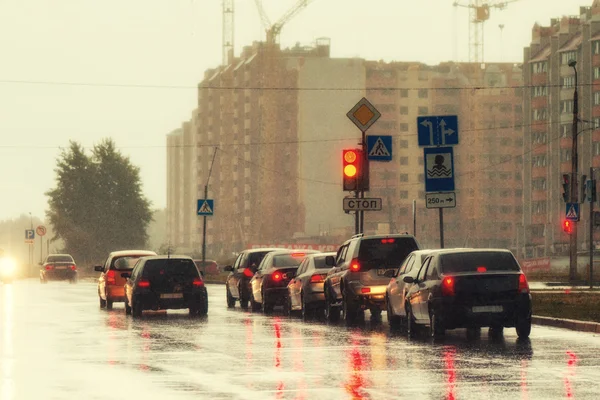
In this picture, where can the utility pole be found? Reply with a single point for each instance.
(574, 176)
(204, 217)
(592, 199)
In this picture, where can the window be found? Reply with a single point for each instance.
(539, 137)
(540, 114)
(596, 47)
(539, 67)
(568, 82)
(596, 98)
(537, 230)
(518, 109)
(518, 193)
(566, 106)
(565, 131)
(565, 155)
(538, 91)
(404, 194)
(403, 160)
(538, 207)
(404, 128)
(539, 184)
(423, 111)
(596, 123)
(404, 93)
(403, 177)
(505, 209)
(567, 57)
(597, 148)
(403, 143)
(423, 93)
(596, 72)
(404, 110)
(539, 161)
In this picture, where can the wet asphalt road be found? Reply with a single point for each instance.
(55, 343)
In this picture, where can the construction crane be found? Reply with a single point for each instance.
(479, 13)
(274, 29)
(228, 31)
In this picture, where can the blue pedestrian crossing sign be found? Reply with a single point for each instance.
(206, 207)
(439, 169)
(437, 130)
(572, 211)
(379, 148)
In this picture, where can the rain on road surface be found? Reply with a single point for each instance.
(55, 343)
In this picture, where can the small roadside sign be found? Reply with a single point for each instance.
(440, 200)
(29, 236)
(41, 230)
(206, 207)
(572, 211)
(366, 204)
(439, 169)
(379, 148)
(363, 114)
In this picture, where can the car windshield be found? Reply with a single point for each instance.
(59, 259)
(475, 261)
(159, 269)
(385, 252)
(125, 263)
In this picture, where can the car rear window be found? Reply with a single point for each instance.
(288, 260)
(320, 262)
(160, 269)
(125, 263)
(470, 262)
(60, 259)
(385, 252)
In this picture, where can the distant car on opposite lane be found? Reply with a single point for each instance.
(58, 267)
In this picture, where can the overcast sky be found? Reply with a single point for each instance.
(110, 44)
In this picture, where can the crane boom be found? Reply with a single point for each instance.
(274, 29)
(264, 18)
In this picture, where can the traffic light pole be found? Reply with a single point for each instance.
(592, 196)
(356, 218)
(574, 194)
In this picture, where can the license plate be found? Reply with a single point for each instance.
(61, 267)
(381, 272)
(171, 296)
(480, 309)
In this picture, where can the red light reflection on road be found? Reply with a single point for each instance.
(571, 365)
(113, 324)
(145, 348)
(449, 357)
(280, 384)
(357, 383)
(524, 393)
(299, 363)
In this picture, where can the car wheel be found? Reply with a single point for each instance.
(203, 309)
(109, 304)
(332, 313)
(136, 308)
(394, 321)
(43, 281)
(73, 281)
(256, 306)
(102, 302)
(436, 328)
(375, 315)
(127, 308)
(349, 311)
(523, 327)
(267, 306)
(411, 326)
(230, 299)
(307, 313)
(473, 333)
(496, 331)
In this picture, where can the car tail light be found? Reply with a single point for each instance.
(248, 272)
(197, 282)
(481, 269)
(388, 241)
(143, 283)
(73, 267)
(110, 277)
(523, 285)
(299, 255)
(448, 286)
(365, 290)
(317, 278)
(354, 265)
(49, 267)
(277, 276)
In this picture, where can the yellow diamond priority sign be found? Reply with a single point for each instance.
(363, 114)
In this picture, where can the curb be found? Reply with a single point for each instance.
(572, 324)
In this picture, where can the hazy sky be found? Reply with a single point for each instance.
(109, 44)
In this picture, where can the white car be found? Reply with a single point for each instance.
(8, 269)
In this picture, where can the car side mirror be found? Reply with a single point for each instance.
(330, 261)
(409, 279)
(98, 268)
(228, 268)
(390, 273)
(126, 275)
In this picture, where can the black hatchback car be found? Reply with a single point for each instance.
(469, 288)
(165, 282)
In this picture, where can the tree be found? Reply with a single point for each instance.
(97, 205)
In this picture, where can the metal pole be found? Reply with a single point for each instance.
(41, 249)
(592, 199)
(574, 194)
(204, 222)
(415, 217)
(356, 219)
(363, 171)
(362, 214)
(441, 227)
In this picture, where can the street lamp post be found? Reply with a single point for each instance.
(574, 176)
(204, 221)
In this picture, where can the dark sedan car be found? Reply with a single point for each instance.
(269, 283)
(470, 289)
(58, 267)
(305, 291)
(165, 282)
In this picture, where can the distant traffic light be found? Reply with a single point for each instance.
(568, 226)
(354, 170)
(566, 188)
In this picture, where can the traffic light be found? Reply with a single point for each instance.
(566, 188)
(355, 170)
(568, 226)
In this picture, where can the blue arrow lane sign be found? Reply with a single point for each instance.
(438, 130)
(206, 207)
(439, 169)
(572, 211)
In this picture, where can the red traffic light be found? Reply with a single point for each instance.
(568, 226)
(351, 160)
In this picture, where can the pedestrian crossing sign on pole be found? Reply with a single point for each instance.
(206, 207)
(572, 212)
(379, 148)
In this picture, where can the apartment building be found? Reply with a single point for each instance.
(548, 114)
